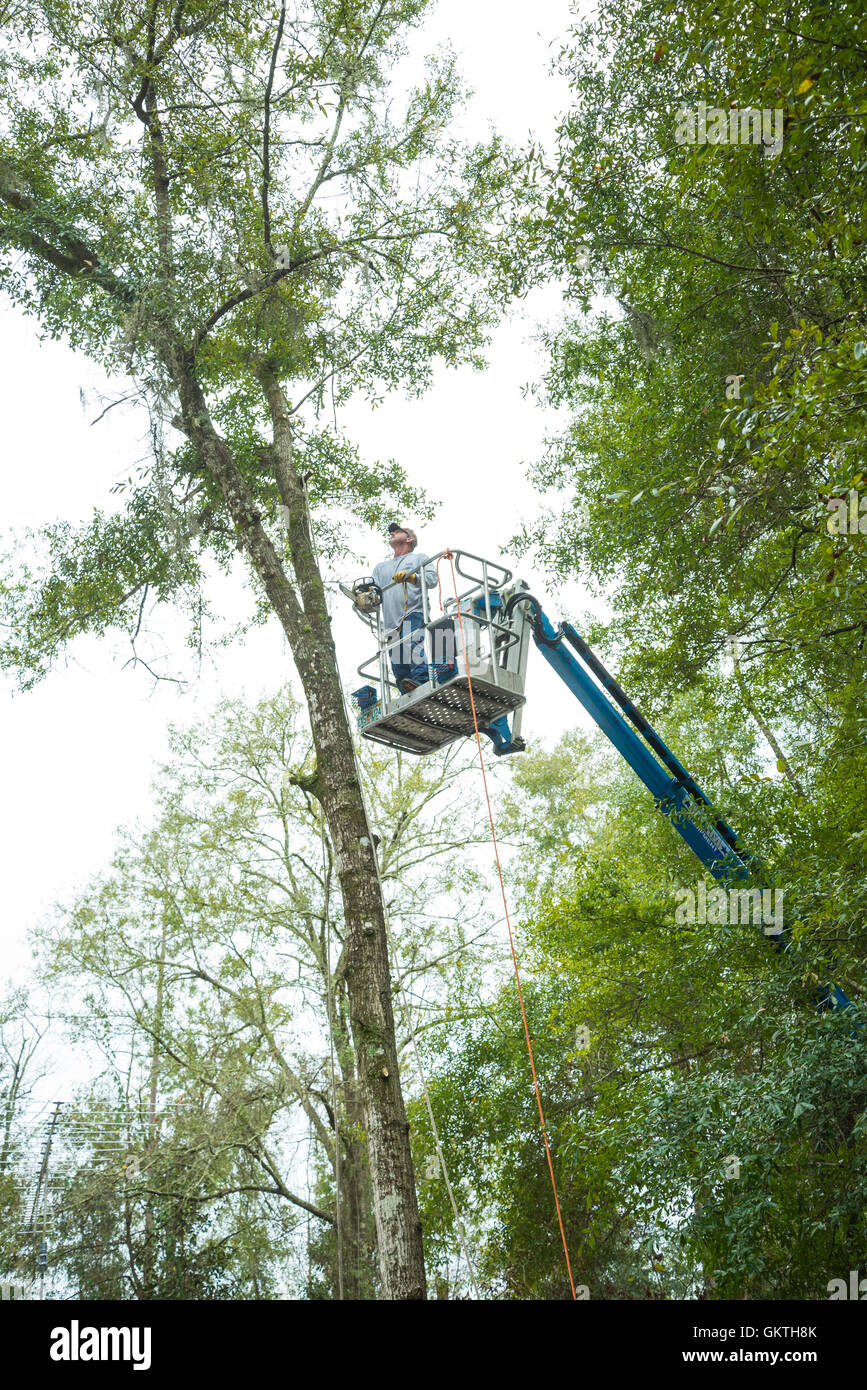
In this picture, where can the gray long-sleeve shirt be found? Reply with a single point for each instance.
(403, 599)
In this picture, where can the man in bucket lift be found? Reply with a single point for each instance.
(402, 614)
(403, 617)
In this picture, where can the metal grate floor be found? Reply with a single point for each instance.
(433, 718)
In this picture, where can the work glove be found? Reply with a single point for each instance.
(404, 576)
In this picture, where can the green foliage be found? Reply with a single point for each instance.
(702, 1045)
(221, 191)
(198, 978)
(714, 416)
(707, 1123)
(722, 406)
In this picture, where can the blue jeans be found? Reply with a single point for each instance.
(408, 660)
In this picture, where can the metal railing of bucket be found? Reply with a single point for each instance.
(488, 637)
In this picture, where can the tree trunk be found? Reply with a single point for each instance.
(304, 617)
(336, 785)
(358, 1237)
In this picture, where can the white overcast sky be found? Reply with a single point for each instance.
(79, 751)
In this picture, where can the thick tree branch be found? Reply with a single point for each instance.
(266, 135)
(294, 498)
(667, 245)
(782, 761)
(278, 1190)
(70, 254)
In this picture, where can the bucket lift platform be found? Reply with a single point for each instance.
(427, 719)
(440, 710)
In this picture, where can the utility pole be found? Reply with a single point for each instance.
(42, 1257)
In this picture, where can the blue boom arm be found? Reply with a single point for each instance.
(676, 793)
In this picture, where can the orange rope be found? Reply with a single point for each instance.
(440, 582)
(450, 558)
